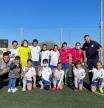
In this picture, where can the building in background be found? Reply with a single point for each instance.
(3, 46)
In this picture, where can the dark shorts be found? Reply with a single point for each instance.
(45, 82)
(65, 66)
(81, 82)
(53, 67)
(36, 63)
(28, 81)
(92, 63)
(94, 83)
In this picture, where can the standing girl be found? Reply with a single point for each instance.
(54, 57)
(45, 53)
(24, 52)
(65, 53)
(77, 53)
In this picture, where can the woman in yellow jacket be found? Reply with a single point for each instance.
(24, 52)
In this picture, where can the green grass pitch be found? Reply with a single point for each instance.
(50, 99)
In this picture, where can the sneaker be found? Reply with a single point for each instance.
(41, 87)
(13, 90)
(76, 90)
(9, 90)
(23, 89)
(101, 90)
(16, 89)
(47, 87)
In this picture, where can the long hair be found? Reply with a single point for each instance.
(24, 41)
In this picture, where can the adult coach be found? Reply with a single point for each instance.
(92, 49)
(4, 66)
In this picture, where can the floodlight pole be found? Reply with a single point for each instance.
(101, 29)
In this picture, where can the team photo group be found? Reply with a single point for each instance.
(34, 66)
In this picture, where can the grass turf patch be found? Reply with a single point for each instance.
(37, 98)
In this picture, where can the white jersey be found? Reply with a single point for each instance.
(46, 73)
(59, 74)
(45, 55)
(35, 52)
(54, 57)
(30, 72)
(80, 73)
(14, 53)
(97, 73)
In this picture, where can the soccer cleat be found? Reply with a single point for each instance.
(41, 87)
(101, 90)
(76, 90)
(23, 89)
(14, 90)
(47, 87)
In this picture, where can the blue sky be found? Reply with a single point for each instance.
(43, 19)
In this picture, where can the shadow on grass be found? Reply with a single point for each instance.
(3, 82)
(70, 84)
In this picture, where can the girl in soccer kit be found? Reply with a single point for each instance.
(79, 75)
(45, 74)
(98, 78)
(54, 57)
(45, 54)
(29, 76)
(35, 53)
(14, 50)
(58, 77)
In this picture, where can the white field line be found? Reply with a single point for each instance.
(99, 93)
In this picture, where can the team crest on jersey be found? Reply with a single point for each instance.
(86, 47)
(92, 45)
(32, 70)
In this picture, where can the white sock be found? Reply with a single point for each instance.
(76, 82)
(24, 84)
(66, 71)
(54, 83)
(41, 84)
(102, 84)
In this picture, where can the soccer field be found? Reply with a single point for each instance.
(50, 99)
